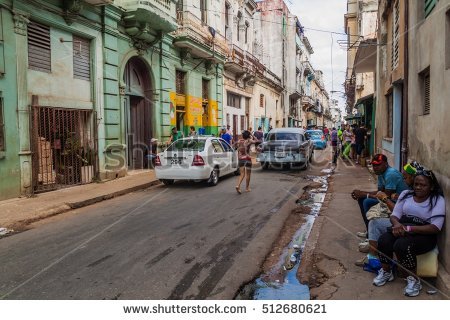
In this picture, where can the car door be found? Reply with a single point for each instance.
(219, 156)
(231, 160)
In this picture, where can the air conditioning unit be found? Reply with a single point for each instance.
(99, 2)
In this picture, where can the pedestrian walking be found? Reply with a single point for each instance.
(334, 144)
(244, 160)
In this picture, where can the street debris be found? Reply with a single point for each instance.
(281, 283)
(4, 231)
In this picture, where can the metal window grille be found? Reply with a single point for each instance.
(261, 100)
(2, 126)
(203, 11)
(429, 6)
(39, 47)
(243, 123)
(64, 147)
(426, 84)
(233, 100)
(181, 82)
(81, 58)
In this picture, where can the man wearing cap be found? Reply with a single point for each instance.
(390, 181)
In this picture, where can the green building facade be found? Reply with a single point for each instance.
(84, 88)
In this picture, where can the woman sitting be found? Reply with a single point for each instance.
(417, 218)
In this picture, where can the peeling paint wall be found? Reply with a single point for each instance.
(427, 134)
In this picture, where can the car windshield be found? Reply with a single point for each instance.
(188, 145)
(283, 136)
(315, 134)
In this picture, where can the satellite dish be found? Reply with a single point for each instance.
(212, 31)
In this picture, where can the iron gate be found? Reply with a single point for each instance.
(64, 146)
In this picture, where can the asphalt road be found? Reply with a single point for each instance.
(186, 241)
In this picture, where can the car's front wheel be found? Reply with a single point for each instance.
(213, 178)
(168, 182)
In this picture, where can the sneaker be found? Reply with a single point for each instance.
(413, 287)
(362, 234)
(361, 262)
(364, 247)
(383, 277)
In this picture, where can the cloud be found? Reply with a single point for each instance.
(318, 16)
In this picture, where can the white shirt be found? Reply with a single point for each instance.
(409, 207)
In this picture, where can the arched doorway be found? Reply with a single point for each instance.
(138, 112)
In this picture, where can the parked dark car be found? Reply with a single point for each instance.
(286, 147)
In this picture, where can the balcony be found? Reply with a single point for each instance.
(202, 41)
(243, 61)
(157, 15)
(99, 2)
(308, 103)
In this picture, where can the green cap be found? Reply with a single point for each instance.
(409, 169)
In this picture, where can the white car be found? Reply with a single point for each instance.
(196, 158)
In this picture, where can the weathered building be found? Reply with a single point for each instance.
(426, 117)
(139, 68)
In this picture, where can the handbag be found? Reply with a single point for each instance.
(380, 210)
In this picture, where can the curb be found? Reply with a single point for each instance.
(88, 202)
(65, 207)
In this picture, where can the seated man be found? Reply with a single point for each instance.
(390, 181)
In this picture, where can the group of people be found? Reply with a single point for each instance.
(403, 217)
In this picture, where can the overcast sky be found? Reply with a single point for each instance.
(327, 15)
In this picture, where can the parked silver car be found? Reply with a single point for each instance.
(286, 147)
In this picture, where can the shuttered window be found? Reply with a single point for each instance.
(2, 48)
(261, 101)
(2, 125)
(426, 91)
(396, 36)
(243, 123)
(180, 82)
(39, 49)
(81, 58)
(429, 6)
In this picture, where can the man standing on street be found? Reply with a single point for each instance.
(225, 135)
(360, 137)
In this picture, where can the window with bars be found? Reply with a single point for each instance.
(39, 47)
(205, 89)
(81, 58)
(429, 6)
(390, 116)
(233, 100)
(396, 36)
(181, 82)
(2, 126)
(243, 123)
(247, 25)
(426, 90)
(261, 101)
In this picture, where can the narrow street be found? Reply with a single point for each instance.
(185, 241)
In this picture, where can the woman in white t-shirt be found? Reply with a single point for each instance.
(417, 218)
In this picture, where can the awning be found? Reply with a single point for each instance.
(366, 56)
(364, 99)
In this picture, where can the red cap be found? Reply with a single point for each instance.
(378, 159)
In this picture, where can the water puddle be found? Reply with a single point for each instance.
(281, 282)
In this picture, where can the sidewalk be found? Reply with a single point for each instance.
(332, 248)
(16, 213)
